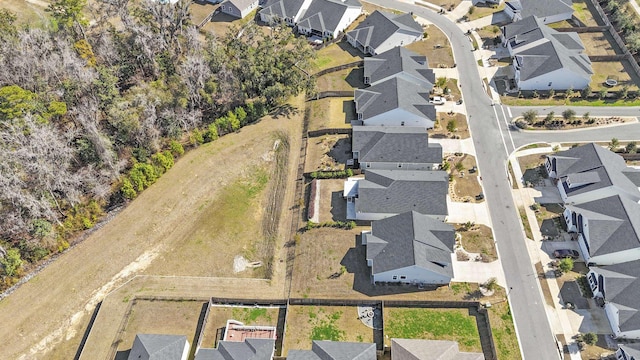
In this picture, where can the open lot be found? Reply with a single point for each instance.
(219, 315)
(54, 304)
(337, 323)
(159, 317)
(327, 152)
(432, 324)
(435, 47)
(478, 239)
(343, 80)
(440, 127)
(329, 113)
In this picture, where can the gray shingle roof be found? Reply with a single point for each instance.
(325, 15)
(393, 94)
(381, 25)
(585, 158)
(622, 288)
(240, 4)
(432, 350)
(157, 347)
(540, 49)
(335, 350)
(282, 8)
(632, 349)
(395, 144)
(614, 224)
(399, 191)
(544, 8)
(249, 349)
(396, 61)
(411, 239)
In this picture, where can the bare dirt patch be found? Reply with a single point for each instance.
(436, 47)
(219, 315)
(328, 152)
(329, 113)
(337, 323)
(37, 316)
(478, 239)
(333, 207)
(440, 127)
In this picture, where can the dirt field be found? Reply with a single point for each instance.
(338, 323)
(333, 207)
(160, 317)
(597, 44)
(330, 113)
(218, 317)
(327, 152)
(343, 80)
(54, 305)
(436, 47)
(478, 240)
(440, 128)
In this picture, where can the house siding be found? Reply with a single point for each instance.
(230, 9)
(397, 166)
(398, 117)
(613, 258)
(560, 79)
(413, 274)
(400, 38)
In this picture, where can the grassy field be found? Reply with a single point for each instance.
(150, 231)
(336, 323)
(435, 47)
(432, 324)
(503, 331)
(219, 315)
(161, 317)
(596, 44)
(478, 239)
(582, 12)
(336, 54)
(330, 113)
(482, 11)
(343, 80)
(28, 12)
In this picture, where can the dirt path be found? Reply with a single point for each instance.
(46, 317)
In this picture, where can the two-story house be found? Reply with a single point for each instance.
(382, 31)
(287, 11)
(399, 63)
(327, 18)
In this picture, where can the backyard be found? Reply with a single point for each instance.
(336, 54)
(327, 152)
(218, 316)
(332, 112)
(343, 80)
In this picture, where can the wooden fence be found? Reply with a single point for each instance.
(340, 67)
(326, 94)
(331, 131)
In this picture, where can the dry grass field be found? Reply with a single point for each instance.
(597, 44)
(30, 12)
(327, 152)
(219, 315)
(582, 12)
(482, 11)
(343, 80)
(336, 54)
(337, 323)
(614, 69)
(333, 207)
(331, 113)
(436, 47)
(54, 305)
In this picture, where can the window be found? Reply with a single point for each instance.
(222, 7)
(395, 277)
(549, 84)
(402, 123)
(359, 116)
(367, 80)
(399, 165)
(402, 277)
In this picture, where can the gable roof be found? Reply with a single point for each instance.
(622, 288)
(381, 25)
(411, 239)
(614, 224)
(395, 144)
(325, 15)
(157, 347)
(249, 349)
(395, 93)
(335, 350)
(415, 349)
(396, 61)
(631, 349)
(540, 49)
(282, 8)
(399, 191)
(544, 8)
(585, 157)
(240, 4)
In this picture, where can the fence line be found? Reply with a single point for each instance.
(330, 131)
(600, 58)
(326, 94)
(584, 29)
(339, 67)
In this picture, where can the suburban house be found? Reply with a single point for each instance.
(608, 229)
(382, 31)
(486, 2)
(545, 59)
(394, 147)
(416, 349)
(326, 18)
(628, 351)
(238, 8)
(590, 172)
(335, 350)
(617, 289)
(288, 11)
(384, 193)
(548, 11)
(410, 248)
(241, 342)
(159, 346)
(394, 102)
(399, 63)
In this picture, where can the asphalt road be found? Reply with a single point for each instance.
(488, 133)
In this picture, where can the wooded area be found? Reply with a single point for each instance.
(90, 115)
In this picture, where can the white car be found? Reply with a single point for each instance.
(437, 100)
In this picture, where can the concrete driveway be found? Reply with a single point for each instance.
(478, 272)
(462, 212)
(544, 194)
(451, 146)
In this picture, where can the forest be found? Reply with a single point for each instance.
(98, 105)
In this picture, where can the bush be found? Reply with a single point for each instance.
(347, 225)
(565, 265)
(568, 114)
(530, 115)
(176, 148)
(340, 174)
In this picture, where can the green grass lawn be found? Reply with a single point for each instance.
(482, 11)
(514, 101)
(503, 332)
(582, 12)
(433, 324)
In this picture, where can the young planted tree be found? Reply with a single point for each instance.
(613, 144)
(565, 265)
(568, 114)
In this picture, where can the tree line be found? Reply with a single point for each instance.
(93, 112)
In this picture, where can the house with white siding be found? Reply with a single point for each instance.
(238, 8)
(327, 18)
(382, 31)
(548, 11)
(629, 351)
(410, 248)
(399, 63)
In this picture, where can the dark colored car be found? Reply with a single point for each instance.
(566, 253)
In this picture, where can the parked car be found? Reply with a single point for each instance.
(437, 100)
(566, 253)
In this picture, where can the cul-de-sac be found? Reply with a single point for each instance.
(320, 179)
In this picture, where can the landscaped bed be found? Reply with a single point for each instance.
(464, 186)
(432, 324)
(336, 323)
(442, 126)
(477, 239)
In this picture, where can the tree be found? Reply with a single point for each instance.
(472, 9)
(451, 125)
(11, 262)
(530, 115)
(241, 114)
(68, 15)
(565, 265)
(585, 92)
(613, 144)
(234, 122)
(552, 93)
(633, 42)
(631, 147)
(624, 92)
(127, 190)
(586, 117)
(569, 114)
(590, 338)
(550, 117)
(15, 102)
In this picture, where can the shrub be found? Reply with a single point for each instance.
(212, 132)
(631, 147)
(340, 174)
(568, 114)
(565, 265)
(176, 148)
(347, 225)
(127, 190)
(530, 115)
(451, 125)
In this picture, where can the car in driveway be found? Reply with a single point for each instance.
(437, 100)
(566, 253)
